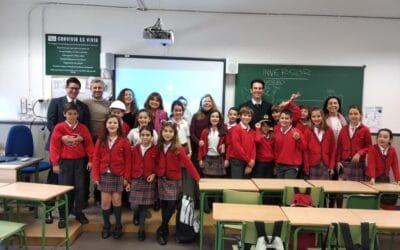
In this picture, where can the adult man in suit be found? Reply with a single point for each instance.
(261, 108)
(55, 114)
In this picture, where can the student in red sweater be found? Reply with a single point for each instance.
(144, 157)
(265, 140)
(289, 147)
(319, 160)
(353, 142)
(171, 158)
(382, 157)
(69, 161)
(111, 170)
(242, 150)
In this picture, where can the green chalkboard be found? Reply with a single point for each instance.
(314, 83)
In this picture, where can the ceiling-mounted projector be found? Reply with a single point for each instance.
(155, 34)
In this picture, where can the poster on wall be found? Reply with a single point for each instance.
(72, 55)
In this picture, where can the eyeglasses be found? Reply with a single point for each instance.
(74, 88)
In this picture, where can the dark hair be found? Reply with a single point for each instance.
(148, 114)
(355, 107)
(104, 136)
(151, 96)
(176, 103)
(326, 104)
(257, 80)
(234, 109)
(148, 128)
(181, 98)
(385, 130)
(73, 80)
(70, 106)
(287, 112)
(134, 107)
(221, 125)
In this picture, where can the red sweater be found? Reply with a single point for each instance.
(204, 149)
(242, 144)
(170, 165)
(143, 165)
(319, 150)
(289, 151)
(264, 147)
(347, 147)
(378, 164)
(118, 158)
(60, 151)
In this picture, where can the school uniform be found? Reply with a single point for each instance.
(210, 153)
(143, 165)
(264, 166)
(380, 162)
(134, 136)
(111, 164)
(72, 161)
(242, 149)
(352, 141)
(320, 153)
(169, 172)
(288, 152)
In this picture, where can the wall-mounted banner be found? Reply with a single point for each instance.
(73, 55)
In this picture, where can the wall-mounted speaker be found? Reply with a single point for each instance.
(232, 66)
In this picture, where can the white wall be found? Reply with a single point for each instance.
(249, 38)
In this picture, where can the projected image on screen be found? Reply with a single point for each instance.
(171, 78)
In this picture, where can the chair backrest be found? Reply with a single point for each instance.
(335, 242)
(362, 201)
(241, 197)
(250, 232)
(19, 141)
(317, 196)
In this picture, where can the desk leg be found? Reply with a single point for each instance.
(43, 218)
(202, 194)
(66, 221)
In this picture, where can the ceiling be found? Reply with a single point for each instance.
(353, 8)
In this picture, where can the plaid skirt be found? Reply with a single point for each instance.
(169, 190)
(142, 192)
(213, 165)
(111, 183)
(352, 171)
(319, 172)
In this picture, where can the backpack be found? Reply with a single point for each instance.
(187, 222)
(301, 199)
(346, 235)
(265, 242)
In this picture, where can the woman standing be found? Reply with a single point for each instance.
(127, 96)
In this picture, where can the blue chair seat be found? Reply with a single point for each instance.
(43, 165)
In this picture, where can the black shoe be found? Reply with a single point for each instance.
(105, 233)
(49, 218)
(61, 223)
(156, 205)
(141, 235)
(117, 233)
(135, 220)
(207, 209)
(81, 218)
(162, 236)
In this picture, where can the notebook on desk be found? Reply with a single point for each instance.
(7, 158)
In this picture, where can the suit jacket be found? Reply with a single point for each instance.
(55, 114)
(259, 112)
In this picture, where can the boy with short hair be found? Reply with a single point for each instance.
(69, 161)
(242, 150)
(289, 147)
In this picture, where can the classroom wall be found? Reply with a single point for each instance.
(248, 38)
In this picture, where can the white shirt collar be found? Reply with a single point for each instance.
(255, 102)
(244, 127)
(70, 125)
(384, 151)
(69, 99)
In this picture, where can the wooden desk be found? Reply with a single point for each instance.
(343, 187)
(384, 187)
(225, 212)
(216, 186)
(9, 170)
(3, 184)
(279, 184)
(384, 219)
(40, 193)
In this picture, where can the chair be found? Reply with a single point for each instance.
(20, 143)
(9, 229)
(336, 241)
(250, 233)
(317, 196)
(238, 197)
(362, 201)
